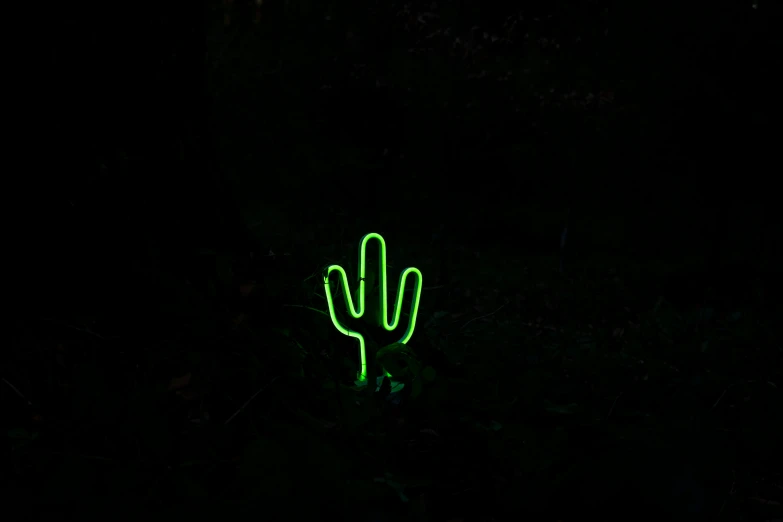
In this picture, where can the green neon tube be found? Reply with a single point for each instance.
(357, 313)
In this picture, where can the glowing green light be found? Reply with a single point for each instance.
(357, 313)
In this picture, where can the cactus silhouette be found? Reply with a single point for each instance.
(382, 318)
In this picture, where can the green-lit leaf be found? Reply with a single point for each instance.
(393, 348)
(392, 357)
(385, 388)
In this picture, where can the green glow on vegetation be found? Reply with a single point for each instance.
(357, 313)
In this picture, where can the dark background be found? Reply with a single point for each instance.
(191, 164)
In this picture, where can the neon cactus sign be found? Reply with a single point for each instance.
(382, 318)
